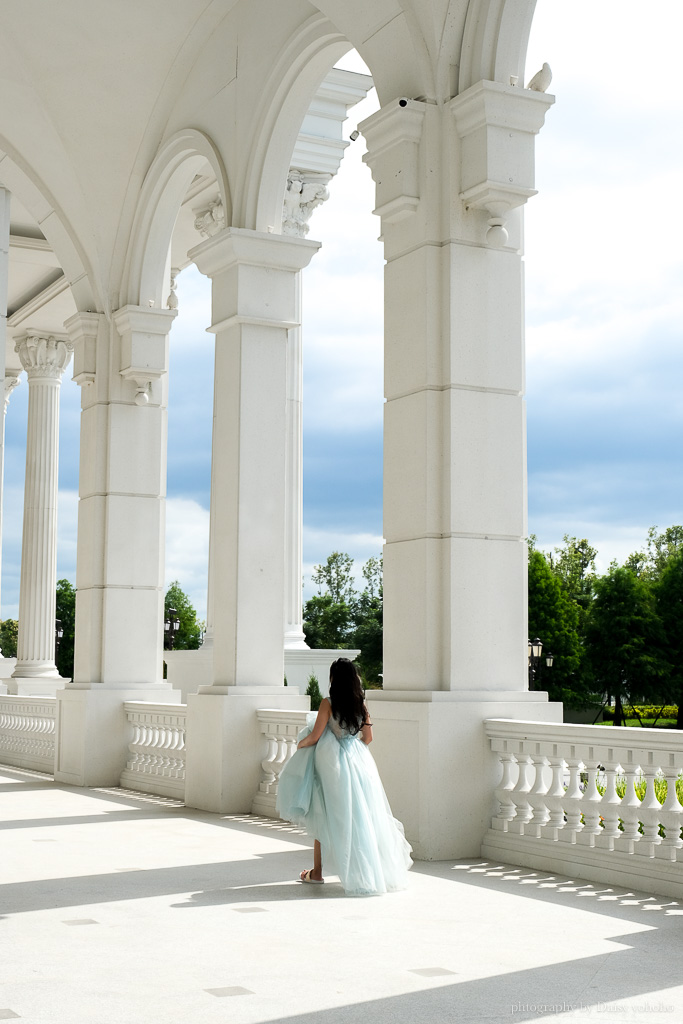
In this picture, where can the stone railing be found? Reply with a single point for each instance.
(280, 729)
(594, 802)
(27, 732)
(157, 749)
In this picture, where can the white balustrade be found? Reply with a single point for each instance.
(27, 732)
(156, 762)
(595, 802)
(280, 729)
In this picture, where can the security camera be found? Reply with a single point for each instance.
(403, 102)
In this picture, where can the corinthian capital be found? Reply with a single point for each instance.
(43, 355)
(303, 194)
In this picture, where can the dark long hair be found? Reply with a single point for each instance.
(347, 696)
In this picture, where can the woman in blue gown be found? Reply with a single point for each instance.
(331, 786)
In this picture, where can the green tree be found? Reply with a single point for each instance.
(9, 634)
(554, 618)
(624, 639)
(66, 614)
(574, 566)
(313, 691)
(189, 636)
(340, 617)
(669, 597)
(327, 623)
(335, 577)
(661, 547)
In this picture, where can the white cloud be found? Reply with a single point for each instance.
(318, 544)
(187, 549)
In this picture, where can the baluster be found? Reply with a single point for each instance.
(591, 805)
(156, 760)
(554, 800)
(174, 744)
(519, 795)
(133, 748)
(650, 814)
(506, 808)
(671, 815)
(167, 738)
(268, 762)
(573, 803)
(630, 811)
(537, 798)
(611, 807)
(181, 751)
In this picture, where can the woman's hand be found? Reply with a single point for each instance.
(319, 727)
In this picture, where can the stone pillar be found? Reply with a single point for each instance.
(121, 365)
(449, 182)
(44, 358)
(255, 304)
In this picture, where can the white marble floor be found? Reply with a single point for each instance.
(123, 909)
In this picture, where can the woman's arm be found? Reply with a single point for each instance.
(366, 728)
(319, 727)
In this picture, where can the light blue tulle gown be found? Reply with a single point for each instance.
(334, 790)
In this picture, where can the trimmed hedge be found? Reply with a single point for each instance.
(645, 711)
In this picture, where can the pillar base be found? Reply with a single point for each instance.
(436, 765)
(92, 731)
(35, 686)
(301, 665)
(187, 671)
(225, 745)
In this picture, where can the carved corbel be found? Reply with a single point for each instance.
(144, 349)
(496, 124)
(82, 329)
(393, 136)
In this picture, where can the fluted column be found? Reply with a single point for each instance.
(304, 193)
(44, 359)
(11, 382)
(4, 269)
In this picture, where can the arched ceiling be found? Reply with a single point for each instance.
(92, 89)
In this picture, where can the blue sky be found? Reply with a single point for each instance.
(604, 268)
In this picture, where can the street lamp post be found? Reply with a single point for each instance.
(59, 633)
(171, 627)
(535, 654)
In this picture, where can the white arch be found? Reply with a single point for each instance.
(495, 41)
(32, 193)
(163, 190)
(296, 75)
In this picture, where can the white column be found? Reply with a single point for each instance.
(255, 305)
(449, 181)
(295, 638)
(11, 382)
(44, 358)
(305, 191)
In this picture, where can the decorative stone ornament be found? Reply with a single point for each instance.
(496, 124)
(210, 219)
(393, 136)
(172, 300)
(11, 382)
(304, 192)
(44, 356)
